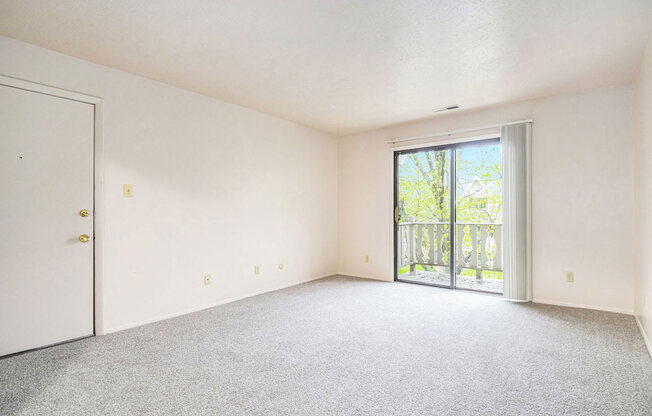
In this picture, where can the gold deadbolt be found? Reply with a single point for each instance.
(84, 213)
(84, 238)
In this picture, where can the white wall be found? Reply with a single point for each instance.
(217, 189)
(582, 195)
(643, 194)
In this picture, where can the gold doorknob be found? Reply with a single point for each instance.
(84, 238)
(84, 213)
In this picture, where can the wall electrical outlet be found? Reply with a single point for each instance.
(256, 270)
(570, 277)
(366, 258)
(207, 279)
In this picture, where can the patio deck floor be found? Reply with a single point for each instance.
(462, 282)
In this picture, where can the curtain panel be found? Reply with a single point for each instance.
(516, 141)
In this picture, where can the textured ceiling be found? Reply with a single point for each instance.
(345, 66)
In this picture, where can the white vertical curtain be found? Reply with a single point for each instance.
(516, 140)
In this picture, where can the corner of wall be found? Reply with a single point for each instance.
(643, 195)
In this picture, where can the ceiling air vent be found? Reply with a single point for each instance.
(450, 107)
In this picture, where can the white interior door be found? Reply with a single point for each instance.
(46, 178)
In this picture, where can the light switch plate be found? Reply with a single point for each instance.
(127, 190)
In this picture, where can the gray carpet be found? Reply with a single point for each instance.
(344, 346)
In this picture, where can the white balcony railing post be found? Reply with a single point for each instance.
(459, 247)
(431, 239)
(484, 249)
(498, 238)
(411, 245)
(440, 247)
(399, 247)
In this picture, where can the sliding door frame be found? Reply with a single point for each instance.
(453, 203)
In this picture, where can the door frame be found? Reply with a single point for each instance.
(98, 182)
(452, 146)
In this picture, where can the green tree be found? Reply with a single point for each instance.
(424, 185)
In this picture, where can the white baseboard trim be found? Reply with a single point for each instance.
(210, 305)
(363, 276)
(645, 338)
(582, 306)
(544, 301)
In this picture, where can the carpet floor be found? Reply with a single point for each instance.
(345, 346)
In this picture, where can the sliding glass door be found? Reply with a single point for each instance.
(423, 211)
(448, 241)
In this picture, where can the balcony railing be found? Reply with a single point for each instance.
(478, 245)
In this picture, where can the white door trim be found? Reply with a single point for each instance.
(98, 182)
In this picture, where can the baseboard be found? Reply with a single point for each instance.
(547, 302)
(582, 306)
(362, 276)
(645, 338)
(210, 305)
